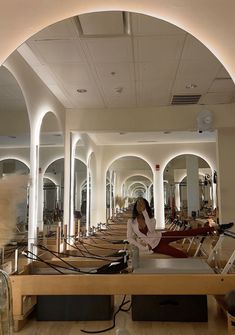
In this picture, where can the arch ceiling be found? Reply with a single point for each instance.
(126, 60)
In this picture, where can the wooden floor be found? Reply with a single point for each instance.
(216, 325)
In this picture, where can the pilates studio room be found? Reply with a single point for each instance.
(117, 165)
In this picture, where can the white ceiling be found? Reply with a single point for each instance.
(121, 60)
(151, 137)
(146, 67)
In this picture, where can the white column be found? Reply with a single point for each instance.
(114, 192)
(158, 194)
(177, 196)
(67, 181)
(98, 194)
(78, 182)
(225, 174)
(110, 193)
(33, 192)
(179, 174)
(147, 194)
(192, 184)
(40, 201)
(88, 193)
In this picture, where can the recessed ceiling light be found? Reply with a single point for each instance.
(81, 90)
(119, 90)
(190, 86)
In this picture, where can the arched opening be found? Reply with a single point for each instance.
(188, 187)
(53, 191)
(80, 196)
(9, 167)
(128, 180)
(50, 193)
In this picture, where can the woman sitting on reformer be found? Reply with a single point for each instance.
(142, 226)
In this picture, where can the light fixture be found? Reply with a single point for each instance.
(119, 90)
(81, 90)
(190, 86)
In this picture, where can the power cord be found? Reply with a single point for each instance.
(120, 308)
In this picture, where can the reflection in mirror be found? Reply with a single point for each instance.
(188, 188)
(129, 177)
(53, 193)
(51, 172)
(14, 138)
(10, 167)
(80, 196)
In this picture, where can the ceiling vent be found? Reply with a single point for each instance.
(185, 99)
(103, 24)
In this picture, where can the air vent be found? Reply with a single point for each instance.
(185, 99)
(103, 24)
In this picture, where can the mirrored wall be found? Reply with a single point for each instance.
(188, 187)
(127, 179)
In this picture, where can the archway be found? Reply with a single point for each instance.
(13, 166)
(188, 187)
(124, 171)
(50, 195)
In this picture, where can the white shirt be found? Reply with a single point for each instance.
(152, 237)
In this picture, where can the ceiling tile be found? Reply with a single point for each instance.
(163, 69)
(64, 51)
(222, 72)
(102, 23)
(202, 85)
(117, 49)
(61, 95)
(200, 67)
(154, 48)
(61, 30)
(217, 98)
(147, 25)
(115, 72)
(119, 95)
(72, 72)
(194, 49)
(91, 99)
(151, 93)
(157, 100)
(222, 85)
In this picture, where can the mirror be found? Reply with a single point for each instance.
(188, 187)
(51, 172)
(9, 167)
(132, 177)
(53, 193)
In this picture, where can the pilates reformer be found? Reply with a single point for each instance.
(26, 287)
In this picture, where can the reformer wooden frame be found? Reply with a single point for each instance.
(113, 284)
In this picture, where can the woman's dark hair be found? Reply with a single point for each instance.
(148, 209)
